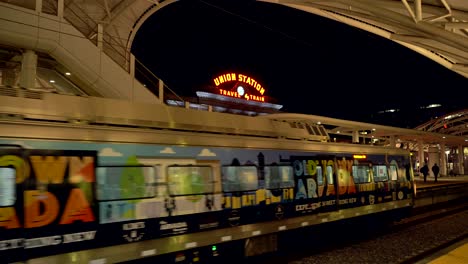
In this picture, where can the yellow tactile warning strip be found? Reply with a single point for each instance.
(458, 255)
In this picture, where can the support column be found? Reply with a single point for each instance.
(39, 6)
(161, 90)
(461, 160)
(392, 141)
(100, 36)
(28, 69)
(443, 160)
(434, 157)
(356, 136)
(418, 10)
(421, 154)
(132, 74)
(60, 6)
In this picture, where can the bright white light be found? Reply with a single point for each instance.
(52, 81)
(433, 105)
(240, 90)
(67, 73)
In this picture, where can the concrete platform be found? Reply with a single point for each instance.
(455, 254)
(430, 181)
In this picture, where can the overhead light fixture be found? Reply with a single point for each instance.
(52, 81)
(67, 73)
(433, 105)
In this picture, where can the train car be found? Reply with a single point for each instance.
(92, 180)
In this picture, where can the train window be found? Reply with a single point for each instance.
(393, 170)
(277, 177)
(330, 174)
(190, 180)
(240, 178)
(125, 182)
(319, 175)
(380, 173)
(7, 186)
(361, 174)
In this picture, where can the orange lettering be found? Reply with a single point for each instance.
(8, 218)
(33, 217)
(81, 170)
(77, 208)
(345, 179)
(49, 169)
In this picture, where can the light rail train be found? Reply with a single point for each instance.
(92, 180)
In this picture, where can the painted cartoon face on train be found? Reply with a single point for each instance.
(57, 190)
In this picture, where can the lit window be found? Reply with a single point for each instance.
(7, 186)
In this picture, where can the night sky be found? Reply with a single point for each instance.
(311, 64)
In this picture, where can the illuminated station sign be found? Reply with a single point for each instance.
(234, 93)
(239, 91)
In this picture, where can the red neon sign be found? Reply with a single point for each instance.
(230, 77)
(240, 91)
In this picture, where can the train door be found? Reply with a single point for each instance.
(12, 171)
(327, 184)
(240, 186)
(211, 215)
(127, 201)
(188, 194)
(346, 177)
(278, 191)
(400, 174)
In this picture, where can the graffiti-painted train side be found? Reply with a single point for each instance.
(63, 196)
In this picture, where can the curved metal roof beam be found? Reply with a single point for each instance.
(454, 123)
(418, 29)
(436, 29)
(144, 16)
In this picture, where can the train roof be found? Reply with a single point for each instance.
(27, 104)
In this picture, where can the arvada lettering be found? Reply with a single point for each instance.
(42, 207)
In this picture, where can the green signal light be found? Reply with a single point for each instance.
(213, 248)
